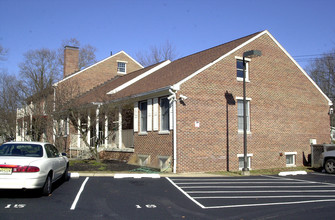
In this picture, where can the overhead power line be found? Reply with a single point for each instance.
(312, 57)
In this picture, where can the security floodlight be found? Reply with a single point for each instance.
(182, 97)
(252, 53)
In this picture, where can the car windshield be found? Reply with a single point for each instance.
(21, 150)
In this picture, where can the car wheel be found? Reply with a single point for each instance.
(66, 176)
(330, 166)
(46, 190)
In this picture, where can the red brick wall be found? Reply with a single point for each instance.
(71, 59)
(286, 111)
(153, 144)
(100, 73)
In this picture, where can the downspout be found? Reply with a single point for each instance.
(54, 121)
(174, 102)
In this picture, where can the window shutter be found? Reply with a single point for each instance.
(149, 115)
(136, 117)
(155, 104)
(67, 126)
(171, 114)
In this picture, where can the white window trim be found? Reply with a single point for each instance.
(125, 66)
(248, 99)
(149, 115)
(247, 60)
(140, 126)
(160, 118)
(136, 115)
(249, 159)
(294, 154)
(155, 116)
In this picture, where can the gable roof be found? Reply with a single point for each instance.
(99, 93)
(164, 76)
(181, 70)
(83, 70)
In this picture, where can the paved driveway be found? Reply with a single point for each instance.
(265, 197)
(215, 193)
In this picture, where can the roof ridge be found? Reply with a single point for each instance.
(220, 45)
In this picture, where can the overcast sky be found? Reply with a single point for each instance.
(302, 27)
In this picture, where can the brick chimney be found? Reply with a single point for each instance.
(71, 60)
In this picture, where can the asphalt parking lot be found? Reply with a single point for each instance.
(256, 197)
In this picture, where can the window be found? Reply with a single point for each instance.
(143, 112)
(52, 151)
(290, 158)
(165, 114)
(22, 150)
(121, 67)
(240, 114)
(241, 161)
(239, 68)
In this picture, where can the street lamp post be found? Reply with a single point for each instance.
(247, 54)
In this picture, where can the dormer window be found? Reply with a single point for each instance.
(121, 67)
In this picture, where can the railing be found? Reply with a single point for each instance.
(109, 143)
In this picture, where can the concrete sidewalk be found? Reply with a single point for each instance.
(121, 174)
(109, 174)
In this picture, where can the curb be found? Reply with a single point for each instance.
(293, 173)
(136, 176)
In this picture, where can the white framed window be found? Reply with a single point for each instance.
(143, 116)
(121, 67)
(290, 159)
(241, 161)
(164, 115)
(239, 69)
(240, 122)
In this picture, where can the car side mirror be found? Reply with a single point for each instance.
(64, 154)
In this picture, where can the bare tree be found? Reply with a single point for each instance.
(86, 53)
(322, 71)
(83, 121)
(10, 100)
(39, 70)
(157, 54)
(3, 53)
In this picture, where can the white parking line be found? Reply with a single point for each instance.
(263, 191)
(223, 182)
(250, 187)
(73, 207)
(323, 174)
(187, 195)
(197, 187)
(307, 181)
(216, 179)
(265, 197)
(269, 204)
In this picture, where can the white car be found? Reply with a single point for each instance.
(31, 165)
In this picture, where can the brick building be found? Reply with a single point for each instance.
(74, 83)
(186, 114)
(286, 110)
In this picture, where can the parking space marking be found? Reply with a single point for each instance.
(74, 204)
(243, 192)
(186, 194)
(323, 174)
